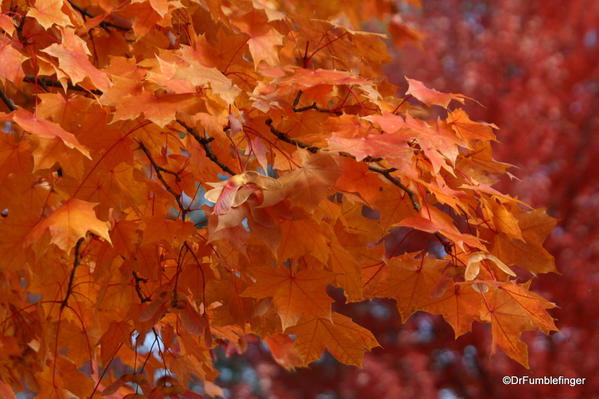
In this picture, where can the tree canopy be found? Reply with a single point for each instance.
(205, 171)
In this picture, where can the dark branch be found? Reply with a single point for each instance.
(104, 24)
(180, 260)
(7, 101)
(312, 106)
(384, 172)
(401, 103)
(205, 143)
(284, 137)
(76, 261)
(159, 170)
(46, 81)
(398, 183)
(140, 294)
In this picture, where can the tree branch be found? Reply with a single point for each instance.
(159, 170)
(104, 24)
(7, 101)
(46, 81)
(387, 174)
(139, 280)
(205, 143)
(76, 261)
(384, 172)
(312, 106)
(284, 137)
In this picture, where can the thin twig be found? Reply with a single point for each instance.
(205, 143)
(384, 172)
(76, 261)
(104, 24)
(180, 260)
(201, 271)
(401, 103)
(105, 369)
(7, 101)
(312, 106)
(159, 170)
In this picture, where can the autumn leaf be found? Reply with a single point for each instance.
(344, 339)
(263, 38)
(73, 59)
(68, 223)
(11, 67)
(431, 96)
(512, 309)
(295, 293)
(459, 305)
(44, 128)
(461, 123)
(283, 350)
(410, 281)
(433, 220)
(48, 13)
(474, 261)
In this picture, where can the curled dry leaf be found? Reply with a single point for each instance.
(474, 261)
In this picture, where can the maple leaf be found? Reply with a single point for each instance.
(198, 74)
(68, 223)
(512, 309)
(44, 128)
(263, 38)
(434, 220)
(11, 68)
(283, 350)
(48, 13)
(528, 253)
(459, 121)
(410, 281)
(295, 293)
(309, 184)
(344, 339)
(237, 190)
(72, 56)
(431, 96)
(459, 305)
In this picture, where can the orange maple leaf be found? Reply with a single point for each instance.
(295, 293)
(343, 338)
(67, 224)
